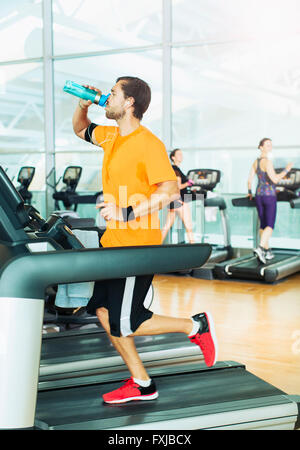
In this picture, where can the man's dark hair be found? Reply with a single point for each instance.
(140, 91)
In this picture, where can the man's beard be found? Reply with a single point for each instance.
(115, 115)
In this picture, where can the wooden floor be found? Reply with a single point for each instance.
(256, 324)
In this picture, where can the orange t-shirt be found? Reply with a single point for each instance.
(132, 166)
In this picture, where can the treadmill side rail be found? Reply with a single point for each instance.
(275, 412)
(279, 271)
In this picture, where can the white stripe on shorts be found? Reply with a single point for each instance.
(126, 306)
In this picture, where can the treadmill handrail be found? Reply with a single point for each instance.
(295, 203)
(27, 276)
(237, 262)
(217, 202)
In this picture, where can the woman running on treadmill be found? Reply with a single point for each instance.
(265, 196)
(179, 207)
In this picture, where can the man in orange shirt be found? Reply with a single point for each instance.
(138, 180)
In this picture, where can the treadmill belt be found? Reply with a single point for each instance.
(249, 267)
(180, 396)
(255, 264)
(67, 347)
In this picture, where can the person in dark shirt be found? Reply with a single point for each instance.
(180, 207)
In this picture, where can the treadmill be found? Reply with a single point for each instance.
(71, 356)
(286, 262)
(205, 181)
(192, 396)
(71, 199)
(70, 318)
(84, 350)
(295, 203)
(25, 177)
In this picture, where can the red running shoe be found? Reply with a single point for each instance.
(206, 338)
(131, 391)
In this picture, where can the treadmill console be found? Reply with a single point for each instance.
(25, 177)
(204, 179)
(13, 215)
(291, 181)
(71, 177)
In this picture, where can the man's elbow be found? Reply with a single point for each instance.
(76, 129)
(79, 132)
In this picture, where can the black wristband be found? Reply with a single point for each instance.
(128, 214)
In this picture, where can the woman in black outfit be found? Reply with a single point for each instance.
(179, 207)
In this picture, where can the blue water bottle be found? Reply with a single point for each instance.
(85, 93)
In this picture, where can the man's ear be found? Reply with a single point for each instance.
(129, 101)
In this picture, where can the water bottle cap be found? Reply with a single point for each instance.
(103, 99)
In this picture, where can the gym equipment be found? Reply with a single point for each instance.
(64, 318)
(70, 358)
(71, 178)
(191, 396)
(205, 181)
(15, 242)
(70, 199)
(295, 203)
(85, 93)
(71, 317)
(285, 262)
(25, 176)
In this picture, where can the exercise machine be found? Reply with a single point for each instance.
(67, 318)
(191, 396)
(25, 177)
(285, 262)
(71, 199)
(205, 181)
(295, 203)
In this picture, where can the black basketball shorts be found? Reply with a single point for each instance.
(124, 300)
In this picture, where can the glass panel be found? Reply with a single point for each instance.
(82, 26)
(12, 163)
(234, 165)
(102, 72)
(227, 97)
(90, 162)
(224, 20)
(21, 108)
(231, 95)
(22, 125)
(21, 28)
